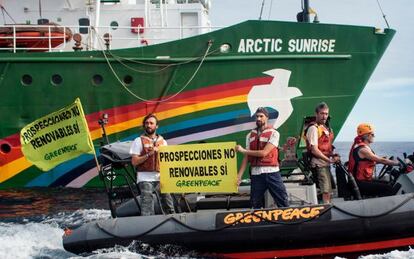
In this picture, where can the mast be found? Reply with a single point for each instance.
(162, 13)
(97, 16)
(146, 14)
(306, 11)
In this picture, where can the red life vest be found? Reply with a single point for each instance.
(361, 168)
(258, 142)
(325, 139)
(151, 164)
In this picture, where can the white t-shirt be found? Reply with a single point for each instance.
(312, 136)
(136, 149)
(257, 170)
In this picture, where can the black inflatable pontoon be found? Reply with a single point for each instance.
(345, 227)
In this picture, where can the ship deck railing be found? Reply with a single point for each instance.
(120, 36)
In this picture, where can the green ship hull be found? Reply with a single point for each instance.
(203, 88)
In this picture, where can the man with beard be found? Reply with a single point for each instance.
(319, 139)
(144, 157)
(262, 154)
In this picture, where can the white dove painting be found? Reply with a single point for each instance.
(276, 95)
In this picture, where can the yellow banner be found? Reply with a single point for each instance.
(208, 167)
(57, 137)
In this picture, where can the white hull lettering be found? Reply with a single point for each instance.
(275, 45)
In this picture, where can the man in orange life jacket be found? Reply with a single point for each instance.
(362, 161)
(144, 156)
(262, 154)
(319, 138)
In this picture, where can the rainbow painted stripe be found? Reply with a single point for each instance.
(185, 127)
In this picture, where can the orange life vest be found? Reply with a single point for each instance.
(258, 142)
(151, 164)
(325, 139)
(361, 168)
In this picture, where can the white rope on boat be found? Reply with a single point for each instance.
(166, 66)
(162, 100)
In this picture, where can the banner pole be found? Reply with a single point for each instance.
(96, 158)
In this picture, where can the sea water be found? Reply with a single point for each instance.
(32, 221)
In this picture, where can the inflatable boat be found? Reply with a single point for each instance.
(356, 226)
(224, 226)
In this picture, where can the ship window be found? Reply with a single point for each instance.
(56, 79)
(97, 79)
(128, 79)
(84, 25)
(114, 25)
(5, 148)
(27, 79)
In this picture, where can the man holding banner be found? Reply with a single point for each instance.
(262, 154)
(144, 151)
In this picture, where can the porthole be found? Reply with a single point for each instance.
(97, 79)
(114, 25)
(56, 79)
(5, 148)
(225, 48)
(27, 79)
(128, 79)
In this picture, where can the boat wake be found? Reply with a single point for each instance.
(77, 218)
(396, 254)
(29, 240)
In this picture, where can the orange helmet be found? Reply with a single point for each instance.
(364, 128)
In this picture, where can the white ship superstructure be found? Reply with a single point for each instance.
(130, 23)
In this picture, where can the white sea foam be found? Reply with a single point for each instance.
(396, 254)
(29, 240)
(77, 218)
(44, 239)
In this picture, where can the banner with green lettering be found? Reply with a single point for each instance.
(208, 167)
(57, 137)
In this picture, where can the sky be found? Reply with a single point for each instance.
(386, 101)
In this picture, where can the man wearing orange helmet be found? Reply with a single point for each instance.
(362, 161)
